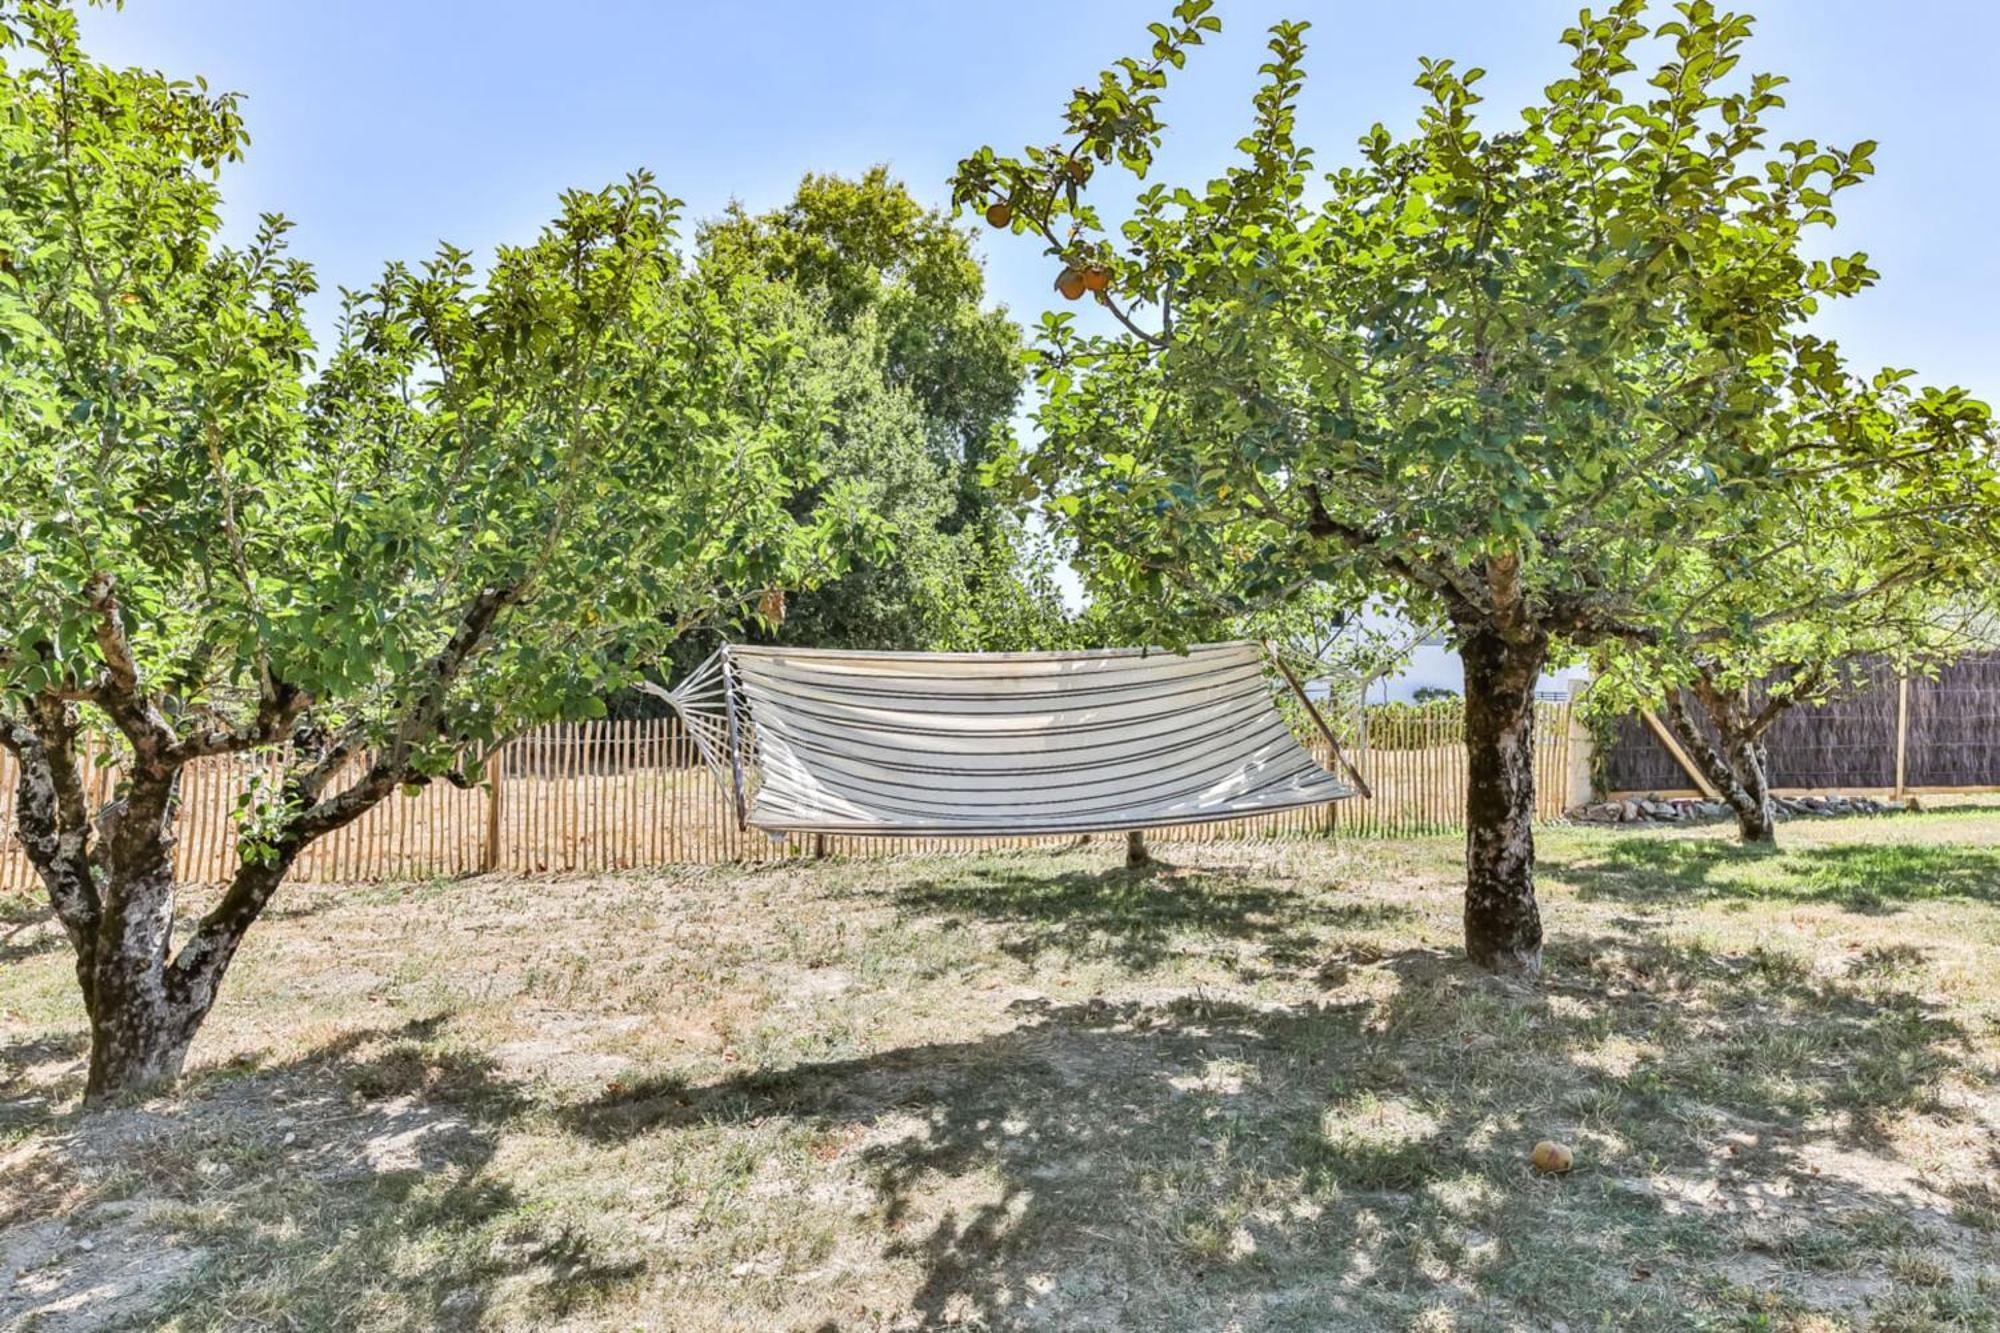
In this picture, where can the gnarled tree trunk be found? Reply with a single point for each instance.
(52, 820)
(139, 1030)
(1734, 761)
(1503, 924)
(110, 878)
(149, 1004)
(1750, 796)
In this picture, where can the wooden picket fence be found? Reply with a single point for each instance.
(615, 795)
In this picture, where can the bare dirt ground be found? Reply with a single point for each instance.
(1254, 1089)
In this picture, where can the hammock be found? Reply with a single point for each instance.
(996, 744)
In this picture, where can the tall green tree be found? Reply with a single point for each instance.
(869, 249)
(1498, 373)
(500, 496)
(927, 379)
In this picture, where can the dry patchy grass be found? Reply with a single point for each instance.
(1254, 1089)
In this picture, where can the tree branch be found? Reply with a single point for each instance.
(52, 816)
(1322, 524)
(202, 961)
(119, 692)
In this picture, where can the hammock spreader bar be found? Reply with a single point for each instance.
(705, 702)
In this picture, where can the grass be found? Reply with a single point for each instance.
(1255, 1089)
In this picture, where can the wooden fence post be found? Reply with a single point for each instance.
(1582, 753)
(1902, 733)
(496, 796)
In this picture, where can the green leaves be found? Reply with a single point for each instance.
(1522, 375)
(585, 434)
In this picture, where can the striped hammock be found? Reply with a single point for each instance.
(995, 744)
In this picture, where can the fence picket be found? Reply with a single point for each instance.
(606, 795)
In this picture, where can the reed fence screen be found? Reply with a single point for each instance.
(615, 795)
(1915, 735)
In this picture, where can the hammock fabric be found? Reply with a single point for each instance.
(997, 744)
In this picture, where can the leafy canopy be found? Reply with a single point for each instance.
(1512, 375)
(925, 380)
(557, 464)
(1885, 565)
(871, 252)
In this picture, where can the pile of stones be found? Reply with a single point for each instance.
(1692, 810)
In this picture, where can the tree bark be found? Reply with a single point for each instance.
(1503, 923)
(52, 820)
(112, 882)
(1736, 765)
(1756, 815)
(134, 1046)
(139, 1029)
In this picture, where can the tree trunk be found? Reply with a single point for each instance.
(145, 1010)
(116, 898)
(52, 823)
(1503, 924)
(1735, 767)
(1136, 855)
(139, 1030)
(135, 1046)
(1756, 816)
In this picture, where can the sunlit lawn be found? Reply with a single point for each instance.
(1255, 1090)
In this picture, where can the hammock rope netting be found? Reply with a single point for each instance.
(996, 744)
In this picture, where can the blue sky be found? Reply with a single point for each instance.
(381, 127)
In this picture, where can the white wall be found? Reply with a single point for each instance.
(1432, 665)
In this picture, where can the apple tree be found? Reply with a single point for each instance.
(1858, 562)
(1494, 371)
(499, 495)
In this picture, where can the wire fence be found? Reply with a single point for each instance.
(615, 795)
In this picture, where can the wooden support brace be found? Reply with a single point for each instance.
(496, 796)
(1360, 783)
(1701, 782)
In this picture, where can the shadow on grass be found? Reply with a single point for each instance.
(1140, 917)
(1325, 1163)
(1861, 877)
(29, 1102)
(28, 929)
(382, 1140)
